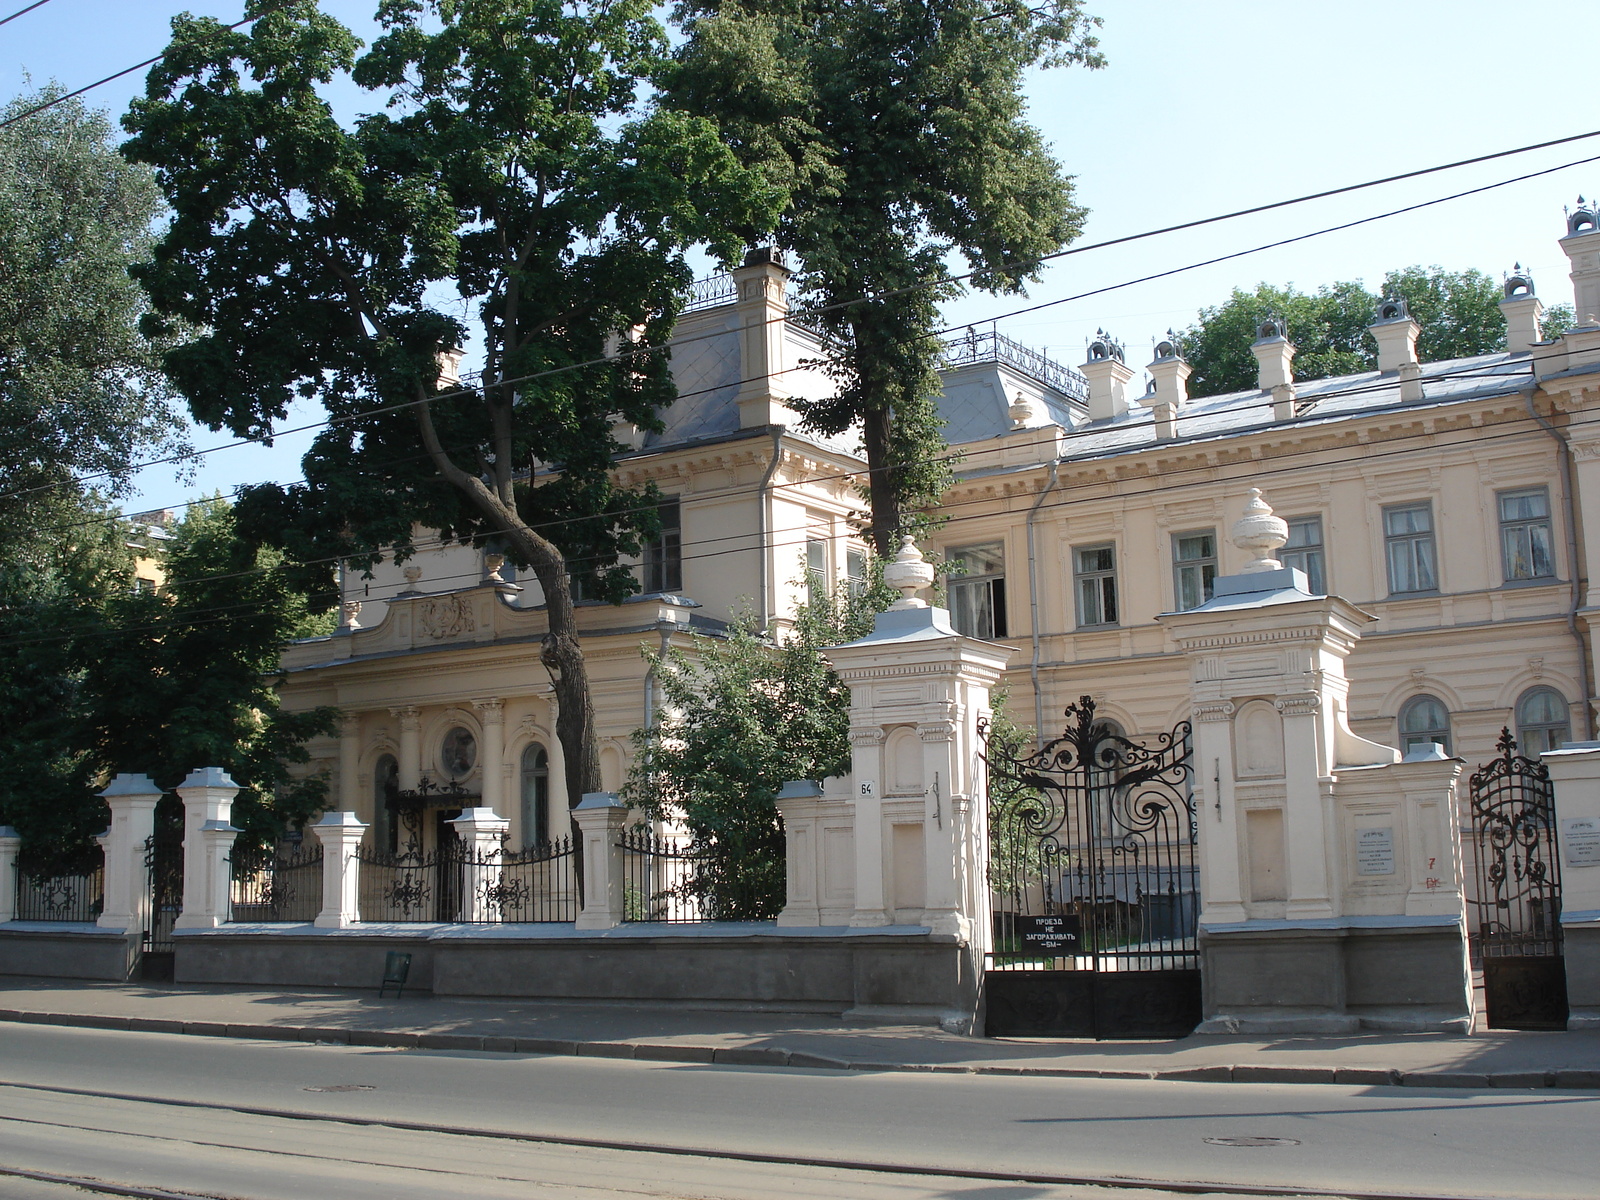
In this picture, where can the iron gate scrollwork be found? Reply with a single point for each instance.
(1518, 905)
(163, 862)
(1093, 884)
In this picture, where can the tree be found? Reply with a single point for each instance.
(1459, 312)
(81, 390)
(740, 718)
(518, 178)
(899, 125)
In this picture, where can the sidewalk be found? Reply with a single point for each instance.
(359, 1018)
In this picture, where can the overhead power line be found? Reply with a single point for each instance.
(24, 11)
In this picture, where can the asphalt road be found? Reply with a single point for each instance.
(221, 1117)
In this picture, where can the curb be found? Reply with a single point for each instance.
(756, 1056)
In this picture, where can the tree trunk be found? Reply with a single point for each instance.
(880, 482)
(562, 656)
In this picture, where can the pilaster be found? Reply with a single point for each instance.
(600, 817)
(10, 845)
(410, 764)
(491, 753)
(483, 833)
(340, 834)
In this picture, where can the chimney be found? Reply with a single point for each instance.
(1582, 246)
(1169, 383)
(1523, 311)
(762, 313)
(1396, 335)
(1108, 377)
(1275, 354)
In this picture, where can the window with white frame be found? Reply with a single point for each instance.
(1304, 551)
(978, 593)
(855, 570)
(1525, 541)
(1094, 570)
(816, 569)
(1544, 722)
(1424, 721)
(1408, 548)
(1194, 567)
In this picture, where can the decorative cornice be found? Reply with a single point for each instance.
(1301, 704)
(867, 737)
(1213, 710)
(937, 731)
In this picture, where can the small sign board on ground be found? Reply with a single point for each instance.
(1049, 935)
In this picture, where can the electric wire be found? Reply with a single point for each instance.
(673, 343)
(1252, 467)
(24, 11)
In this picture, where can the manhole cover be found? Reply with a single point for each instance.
(1250, 1141)
(342, 1087)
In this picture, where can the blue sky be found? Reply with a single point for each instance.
(1203, 108)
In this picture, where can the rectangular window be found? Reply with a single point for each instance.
(1303, 551)
(855, 571)
(816, 570)
(978, 595)
(1194, 567)
(663, 555)
(1525, 535)
(1094, 569)
(1408, 548)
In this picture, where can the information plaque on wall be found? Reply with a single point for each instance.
(1375, 851)
(1049, 935)
(1580, 838)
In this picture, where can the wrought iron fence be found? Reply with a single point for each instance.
(711, 291)
(532, 886)
(664, 881)
(60, 887)
(275, 884)
(452, 884)
(981, 346)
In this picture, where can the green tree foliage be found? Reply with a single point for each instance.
(185, 677)
(1459, 312)
(81, 391)
(740, 717)
(1015, 858)
(517, 194)
(900, 128)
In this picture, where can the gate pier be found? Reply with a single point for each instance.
(1574, 772)
(1330, 871)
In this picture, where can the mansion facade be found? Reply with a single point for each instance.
(1457, 502)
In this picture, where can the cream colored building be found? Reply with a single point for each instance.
(1456, 501)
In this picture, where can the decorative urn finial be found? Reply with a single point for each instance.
(1261, 533)
(350, 613)
(908, 574)
(493, 562)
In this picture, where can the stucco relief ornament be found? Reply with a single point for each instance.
(908, 574)
(448, 616)
(1261, 533)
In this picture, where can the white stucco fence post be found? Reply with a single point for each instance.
(340, 834)
(1575, 778)
(797, 803)
(207, 796)
(10, 844)
(482, 832)
(132, 800)
(600, 817)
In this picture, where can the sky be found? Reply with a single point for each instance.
(1202, 109)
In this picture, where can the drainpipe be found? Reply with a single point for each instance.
(1033, 609)
(764, 518)
(1572, 559)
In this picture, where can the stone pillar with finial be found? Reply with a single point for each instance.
(1330, 871)
(914, 810)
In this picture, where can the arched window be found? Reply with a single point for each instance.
(385, 782)
(535, 795)
(1544, 722)
(1424, 719)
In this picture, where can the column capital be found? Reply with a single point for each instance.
(492, 708)
(349, 724)
(406, 714)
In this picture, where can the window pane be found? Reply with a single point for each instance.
(1399, 521)
(987, 559)
(1196, 546)
(1108, 600)
(1095, 558)
(1524, 506)
(1304, 531)
(1089, 603)
(971, 608)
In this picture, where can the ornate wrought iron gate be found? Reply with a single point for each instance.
(1093, 884)
(163, 862)
(1518, 905)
